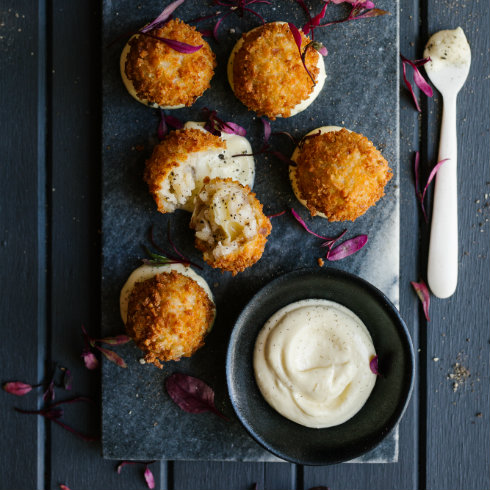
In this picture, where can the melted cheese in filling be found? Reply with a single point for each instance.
(185, 181)
(145, 272)
(311, 363)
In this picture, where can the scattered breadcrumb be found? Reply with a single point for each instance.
(320, 262)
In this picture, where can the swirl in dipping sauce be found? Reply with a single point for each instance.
(311, 363)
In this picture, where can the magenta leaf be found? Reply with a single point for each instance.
(91, 362)
(270, 216)
(373, 365)
(267, 129)
(163, 17)
(417, 78)
(175, 45)
(216, 126)
(299, 219)
(347, 248)
(117, 340)
(173, 122)
(423, 293)
(191, 394)
(421, 195)
(112, 356)
(432, 174)
(17, 388)
(63, 487)
(297, 39)
(150, 480)
(233, 128)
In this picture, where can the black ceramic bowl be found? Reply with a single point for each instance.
(387, 402)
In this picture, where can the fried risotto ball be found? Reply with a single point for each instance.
(159, 76)
(339, 174)
(266, 72)
(230, 228)
(180, 162)
(168, 313)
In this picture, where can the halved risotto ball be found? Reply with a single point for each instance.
(180, 162)
(159, 76)
(230, 228)
(338, 174)
(167, 310)
(266, 73)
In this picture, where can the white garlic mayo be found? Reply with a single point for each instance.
(311, 363)
(447, 48)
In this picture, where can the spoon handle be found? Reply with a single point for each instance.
(442, 271)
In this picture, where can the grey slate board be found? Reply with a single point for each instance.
(361, 93)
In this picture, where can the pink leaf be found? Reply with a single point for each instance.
(91, 362)
(233, 128)
(299, 219)
(373, 365)
(423, 293)
(417, 78)
(112, 356)
(191, 394)
(63, 487)
(173, 122)
(17, 388)
(270, 216)
(267, 129)
(432, 174)
(150, 480)
(347, 248)
(163, 17)
(178, 46)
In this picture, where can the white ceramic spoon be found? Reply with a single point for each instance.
(449, 66)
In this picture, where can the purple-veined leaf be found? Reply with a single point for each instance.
(267, 129)
(300, 220)
(417, 78)
(150, 480)
(233, 128)
(347, 248)
(423, 293)
(112, 356)
(373, 365)
(163, 17)
(173, 122)
(17, 388)
(178, 46)
(191, 394)
(432, 174)
(270, 216)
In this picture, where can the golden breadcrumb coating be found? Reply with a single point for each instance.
(164, 76)
(231, 229)
(268, 75)
(169, 154)
(340, 174)
(168, 317)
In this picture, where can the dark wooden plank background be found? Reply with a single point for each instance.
(50, 259)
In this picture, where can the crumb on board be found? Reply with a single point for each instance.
(320, 262)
